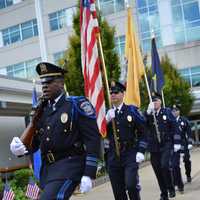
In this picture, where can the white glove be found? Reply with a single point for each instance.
(86, 184)
(139, 157)
(177, 147)
(110, 115)
(17, 147)
(150, 108)
(190, 146)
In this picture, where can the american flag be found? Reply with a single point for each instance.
(32, 190)
(8, 194)
(90, 61)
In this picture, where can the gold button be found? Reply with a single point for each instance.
(65, 130)
(47, 139)
(117, 130)
(117, 122)
(48, 127)
(36, 131)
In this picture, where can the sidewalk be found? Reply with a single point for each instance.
(150, 190)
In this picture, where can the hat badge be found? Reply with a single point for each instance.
(129, 118)
(43, 68)
(64, 117)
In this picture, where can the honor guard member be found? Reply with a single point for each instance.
(67, 136)
(163, 140)
(186, 145)
(123, 170)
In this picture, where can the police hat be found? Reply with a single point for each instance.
(48, 71)
(116, 87)
(176, 107)
(156, 96)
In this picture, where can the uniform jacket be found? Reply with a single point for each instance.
(70, 131)
(186, 133)
(168, 129)
(130, 127)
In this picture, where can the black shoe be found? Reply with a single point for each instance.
(181, 190)
(172, 194)
(189, 179)
(164, 198)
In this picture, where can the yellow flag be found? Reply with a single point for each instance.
(135, 64)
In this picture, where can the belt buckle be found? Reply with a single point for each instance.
(50, 157)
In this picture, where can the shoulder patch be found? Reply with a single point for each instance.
(87, 108)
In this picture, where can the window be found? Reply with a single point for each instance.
(186, 20)
(148, 20)
(58, 56)
(20, 32)
(61, 18)
(5, 3)
(24, 70)
(192, 75)
(111, 6)
(120, 46)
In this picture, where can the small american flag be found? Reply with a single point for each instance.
(32, 190)
(90, 61)
(8, 194)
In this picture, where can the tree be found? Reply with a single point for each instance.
(176, 90)
(74, 78)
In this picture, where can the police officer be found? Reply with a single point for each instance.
(161, 144)
(123, 170)
(186, 145)
(67, 136)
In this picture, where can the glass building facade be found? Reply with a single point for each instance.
(5, 3)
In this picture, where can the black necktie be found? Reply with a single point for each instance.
(116, 112)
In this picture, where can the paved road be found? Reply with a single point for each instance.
(150, 190)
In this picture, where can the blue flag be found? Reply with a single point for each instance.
(37, 154)
(157, 73)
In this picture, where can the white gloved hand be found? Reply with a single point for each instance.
(139, 157)
(190, 146)
(150, 108)
(110, 115)
(17, 147)
(177, 147)
(86, 184)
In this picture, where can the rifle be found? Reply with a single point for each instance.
(30, 131)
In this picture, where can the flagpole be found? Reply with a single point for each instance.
(105, 78)
(150, 99)
(163, 99)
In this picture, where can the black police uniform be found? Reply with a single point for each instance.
(123, 171)
(68, 138)
(186, 138)
(162, 152)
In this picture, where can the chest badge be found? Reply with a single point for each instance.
(164, 117)
(64, 117)
(129, 118)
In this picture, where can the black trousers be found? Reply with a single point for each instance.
(177, 171)
(58, 190)
(123, 175)
(162, 166)
(187, 162)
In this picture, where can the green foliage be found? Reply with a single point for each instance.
(74, 78)
(19, 182)
(176, 89)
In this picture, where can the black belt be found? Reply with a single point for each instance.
(52, 157)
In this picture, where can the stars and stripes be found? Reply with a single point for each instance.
(8, 194)
(90, 61)
(32, 190)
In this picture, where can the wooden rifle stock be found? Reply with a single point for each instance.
(29, 132)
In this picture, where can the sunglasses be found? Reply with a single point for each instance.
(114, 92)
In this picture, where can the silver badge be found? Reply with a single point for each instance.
(129, 118)
(64, 117)
(164, 117)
